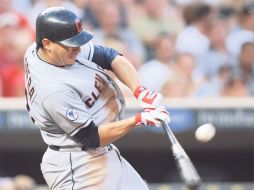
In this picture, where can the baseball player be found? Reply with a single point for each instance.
(78, 107)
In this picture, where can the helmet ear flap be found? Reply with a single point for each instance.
(39, 44)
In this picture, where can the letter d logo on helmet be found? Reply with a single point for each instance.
(61, 25)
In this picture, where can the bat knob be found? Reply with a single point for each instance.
(194, 186)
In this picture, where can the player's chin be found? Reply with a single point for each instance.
(71, 61)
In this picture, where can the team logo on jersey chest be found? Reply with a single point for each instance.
(71, 114)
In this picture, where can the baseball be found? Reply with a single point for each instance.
(205, 132)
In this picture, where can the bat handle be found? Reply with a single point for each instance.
(168, 131)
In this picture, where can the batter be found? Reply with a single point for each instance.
(78, 107)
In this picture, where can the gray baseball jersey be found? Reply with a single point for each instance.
(63, 100)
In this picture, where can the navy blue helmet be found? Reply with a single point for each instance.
(61, 25)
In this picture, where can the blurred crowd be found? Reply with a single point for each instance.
(182, 48)
(19, 182)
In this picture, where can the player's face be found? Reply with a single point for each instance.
(61, 55)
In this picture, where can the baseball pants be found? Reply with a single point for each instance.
(97, 169)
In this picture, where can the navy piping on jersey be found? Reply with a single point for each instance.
(72, 172)
(89, 58)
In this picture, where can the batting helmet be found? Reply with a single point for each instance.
(61, 25)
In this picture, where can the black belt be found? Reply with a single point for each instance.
(82, 148)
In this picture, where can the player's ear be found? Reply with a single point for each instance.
(46, 43)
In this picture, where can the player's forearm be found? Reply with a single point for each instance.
(126, 72)
(110, 132)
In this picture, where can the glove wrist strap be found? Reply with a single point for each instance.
(138, 119)
(138, 90)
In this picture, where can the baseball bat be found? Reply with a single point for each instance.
(186, 169)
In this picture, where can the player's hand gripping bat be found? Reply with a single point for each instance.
(187, 170)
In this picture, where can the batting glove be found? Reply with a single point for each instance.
(148, 98)
(152, 117)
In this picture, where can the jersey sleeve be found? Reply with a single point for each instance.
(104, 56)
(67, 111)
(87, 50)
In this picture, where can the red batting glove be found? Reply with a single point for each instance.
(147, 98)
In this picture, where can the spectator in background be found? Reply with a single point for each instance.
(24, 182)
(7, 183)
(134, 8)
(158, 17)
(154, 73)
(209, 2)
(9, 21)
(236, 85)
(228, 15)
(111, 32)
(193, 38)
(19, 182)
(174, 87)
(93, 9)
(246, 64)
(1, 86)
(13, 73)
(41, 5)
(15, 36)
(244, 32)
(23, 6)
(217, 55)
(214, 86)
(90, 12)
(181, 83)
(235, 4)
